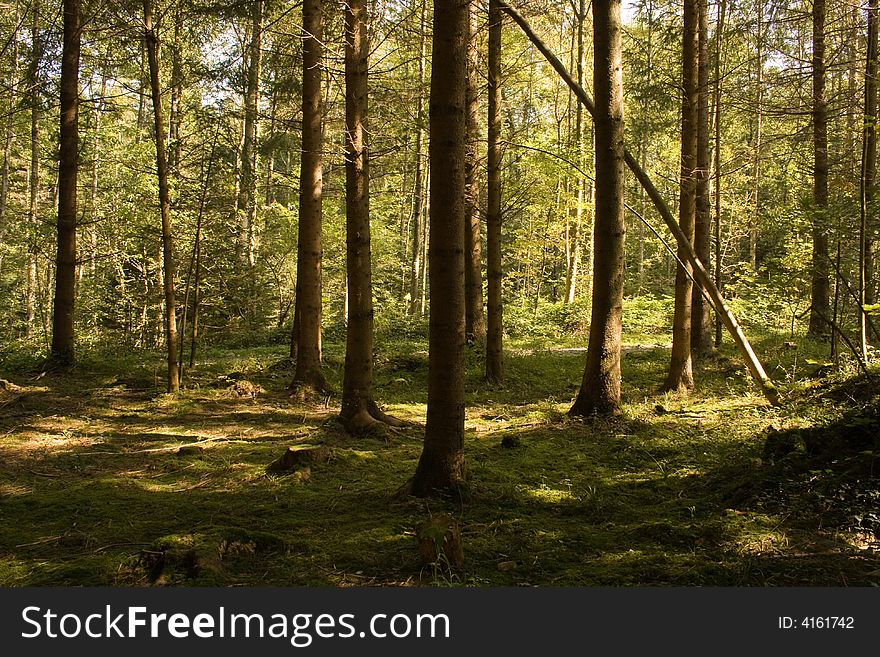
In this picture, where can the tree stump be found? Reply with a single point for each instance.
(440, 541)
(300, 457)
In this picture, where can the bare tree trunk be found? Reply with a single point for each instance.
(819, 288)
(681, 376)
(869, 173)
(62, 350)
(152, 41)
(475, 320)
(442, 464)
(759, 135)
(34, 177)
(719, 35)
(418, 262)
(573, 237)
(309, 375)
(359, 410)
(600, 388)
(9, 131)
(701, 317)
(247, 195)
(176, 93)
(495, 272)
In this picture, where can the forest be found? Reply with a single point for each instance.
(453, 293)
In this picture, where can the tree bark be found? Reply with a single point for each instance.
(475, 319)
(719, 34)
(573, 232)
(759, 135)
(62, 350)
(681, 376)
(700, 273)
(819, 278)
(701, 317)
(418, 220)
(495, 273)
(359, 410)
(247, 194)
(34, 177)
(600, 389)
(869, 173)
(152, 41)
(9, 131)
(309, 376)
(442, 465)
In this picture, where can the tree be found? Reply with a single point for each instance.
(442, 465)
(701, 318)
(309, 376)
(820, 312)
(152, 42)
(33, 209)
(359, 410)
(62, 353)
(681, 375)
(475, 322)
(600, 388)
(867, 197)
(495, 306)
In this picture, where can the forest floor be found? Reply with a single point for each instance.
(95, 490)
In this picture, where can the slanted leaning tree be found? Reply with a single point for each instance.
(441, 465)
(359, 409)
(600, 389)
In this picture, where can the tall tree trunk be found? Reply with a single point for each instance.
(475, 320)
(9, 131)
(759, 136)
(869, 173)
(247, 193)
(442, 464)
(34, 177)
(309, 375)
(701, 317)
(573, 236)
(417, 261)
(681, 375)
(600, 389)
(359, 410)
(719, 35)
(62, 350)
(152, 41)
(176, 93)
(495, 272)
(819, 288)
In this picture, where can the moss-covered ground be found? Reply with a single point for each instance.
(678, 491)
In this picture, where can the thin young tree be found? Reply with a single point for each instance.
(442, 465)
(494, 274)
(681, 375)
(475, 319)
(33, 206)
(152, 44)
(820, 311)
(309, 376)
(701, 317)
(600, 388)
(359, 409)
(869, 173)
(63, 335)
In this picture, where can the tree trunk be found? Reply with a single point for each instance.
(309, 376)
(418, 220)
(9, 132)
(247, 194)
(495, 334)
(701, 318)
(759, 135)
(681, 376)
(819, 288)
(62, 350)
(719, 34)
(34, 177)
(442, 464)
(475, 320)
(600, 389)
(176, 93)
(869, 172)
(170, 322)
(359, 410)
(573, 233)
